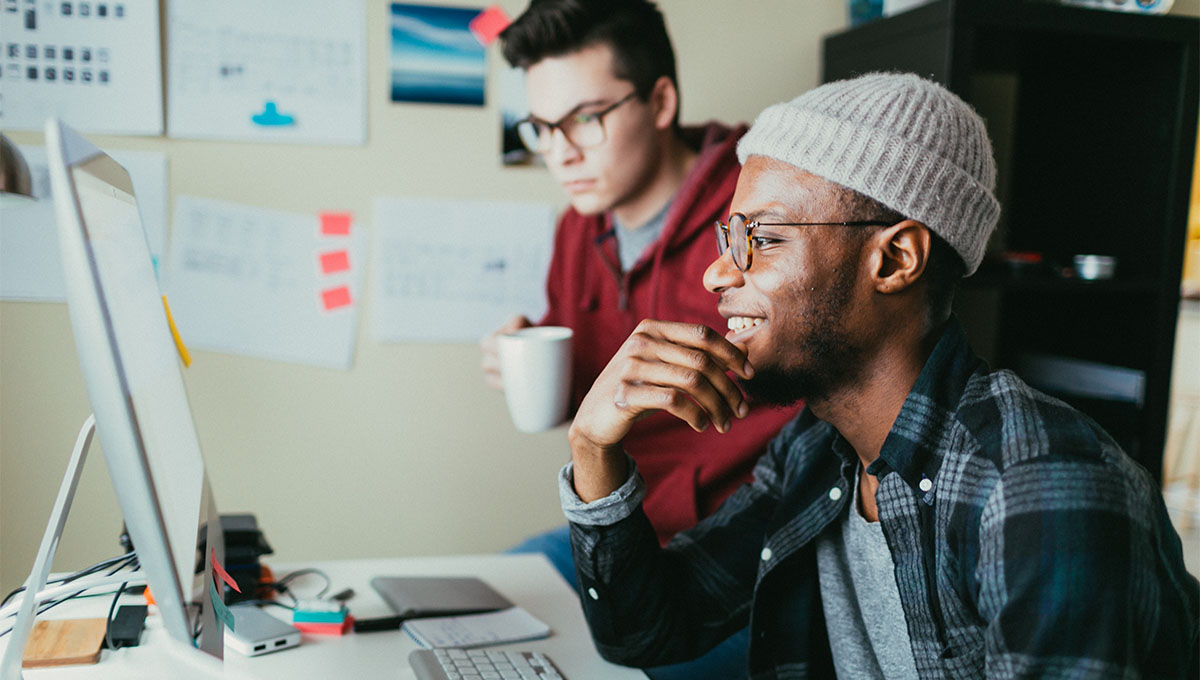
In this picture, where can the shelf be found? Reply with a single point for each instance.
(1054, 284)
(1093, 117)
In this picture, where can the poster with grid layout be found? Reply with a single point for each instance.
(96, 64)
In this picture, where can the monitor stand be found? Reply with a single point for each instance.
(203, 664)
(10, 665)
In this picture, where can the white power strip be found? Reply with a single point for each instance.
(257, 632)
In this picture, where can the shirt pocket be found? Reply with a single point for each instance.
(962, 661)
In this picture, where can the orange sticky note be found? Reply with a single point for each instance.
(336, 224)
(334, 261)
(487, 25)
(220, 573)
(335, 298)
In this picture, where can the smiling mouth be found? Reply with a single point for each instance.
(741, 327)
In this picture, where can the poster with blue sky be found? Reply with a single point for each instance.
(435, 57)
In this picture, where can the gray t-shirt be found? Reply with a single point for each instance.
(633, 241)
(867, 630)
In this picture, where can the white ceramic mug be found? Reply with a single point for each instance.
(535, 365)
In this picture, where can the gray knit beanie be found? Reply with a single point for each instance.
(906, 142)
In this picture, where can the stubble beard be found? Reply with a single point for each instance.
(822, 359)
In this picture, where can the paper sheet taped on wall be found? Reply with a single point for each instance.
(96, 65)
(246, 280)
(30, 266)
(269, 70)
(455, 270)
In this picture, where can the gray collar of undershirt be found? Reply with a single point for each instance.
(632, 243)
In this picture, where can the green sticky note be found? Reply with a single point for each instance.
(219, 607)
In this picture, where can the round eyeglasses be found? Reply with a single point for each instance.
(583, 129)
(737, 236)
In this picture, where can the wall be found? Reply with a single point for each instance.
(408, 453)
(380, 454)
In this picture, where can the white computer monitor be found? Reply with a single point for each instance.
(131, 370)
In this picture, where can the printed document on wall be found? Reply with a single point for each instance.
(265, 283)
(291, 71)
(452, 271)
(30, 266)
(95, 65)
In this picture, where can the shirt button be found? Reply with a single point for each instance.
(925, 484)
(835, 494)
(593, 594)
(765, 554)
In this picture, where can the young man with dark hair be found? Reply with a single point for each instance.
(634, 243)
(924, 516)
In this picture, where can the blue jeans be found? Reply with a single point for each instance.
(726, 661)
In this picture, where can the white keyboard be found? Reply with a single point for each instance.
(479, 664)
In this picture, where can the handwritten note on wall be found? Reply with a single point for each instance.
(252, 281)
(455, 270)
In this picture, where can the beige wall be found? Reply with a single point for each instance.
(408, 453)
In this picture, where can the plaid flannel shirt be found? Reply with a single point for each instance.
(1026, 544)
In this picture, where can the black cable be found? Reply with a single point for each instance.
(281, 586)
(195, 610)
(108, 620)
(290, 576)
(51, 604)
(75, 576)
(125, 560)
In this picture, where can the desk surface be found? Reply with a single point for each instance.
(528, 580)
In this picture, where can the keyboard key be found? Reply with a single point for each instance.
(478, 664)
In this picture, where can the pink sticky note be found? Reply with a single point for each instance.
(487, 25)
(220, 573)
(334, 298)
(336, 224)
(334, 261)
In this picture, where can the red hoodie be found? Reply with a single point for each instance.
(688, 474)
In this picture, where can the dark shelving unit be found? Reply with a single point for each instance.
(1093, 115)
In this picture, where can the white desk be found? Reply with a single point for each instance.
(528, 580)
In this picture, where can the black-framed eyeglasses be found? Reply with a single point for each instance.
(584, 129)
(738, 235)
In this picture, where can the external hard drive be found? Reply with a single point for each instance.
(257, 632)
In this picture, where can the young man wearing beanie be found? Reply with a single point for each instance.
(923, 517)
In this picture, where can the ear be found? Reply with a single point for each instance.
(899, 255)
(664, 102)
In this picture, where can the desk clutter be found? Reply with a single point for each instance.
(264, 629)
(64, 642)
(245, 545)
(322, 617)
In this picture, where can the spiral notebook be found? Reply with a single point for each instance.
(476, 630)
